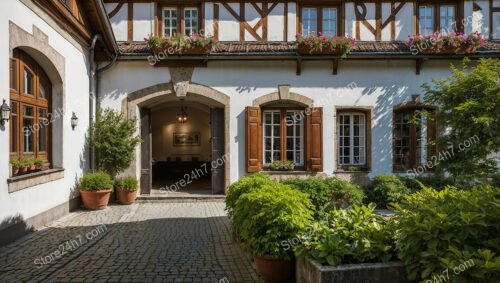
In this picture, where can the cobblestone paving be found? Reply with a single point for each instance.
(143, 242)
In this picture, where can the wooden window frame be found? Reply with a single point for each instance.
(437, 15)
(319, 6)
(18, 96)
(367, 111)
(430, 150)
(283, 135)
(180, 17)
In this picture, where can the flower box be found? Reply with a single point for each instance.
(455, 43)
(181, 45)
(310, 271)
(324, 45)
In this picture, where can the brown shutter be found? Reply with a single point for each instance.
(253, 139)
(314, 141)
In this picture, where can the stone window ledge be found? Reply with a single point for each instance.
(26, 181)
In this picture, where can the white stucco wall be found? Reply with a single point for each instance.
(35, 200)
(245, 81)
(119, 21)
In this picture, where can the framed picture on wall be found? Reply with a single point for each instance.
(187, 139)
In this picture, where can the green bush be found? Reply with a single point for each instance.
(114, 139)
(270, 215)
(386, 189)
(242, 186)
(96, 181)
(127, 184)
(355, 235)
(438, 231)
(328, 193)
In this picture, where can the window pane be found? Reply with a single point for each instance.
(42, 91)
(28, 135)
(351, 142)
(13, 74)
(190, 21)
(294, 138)
(170, 22)
(272, 136)
(330, 21)
(28, 82)
(402, 139)
(309, 21)
(426, 19)
(447, 19)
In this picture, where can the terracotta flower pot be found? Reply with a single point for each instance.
(38, 166)
(95, 199)
(15, 170)
(274, 270)
(23, 169)
(125, 196)
(32, 167)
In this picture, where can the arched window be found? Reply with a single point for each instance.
(30, 102)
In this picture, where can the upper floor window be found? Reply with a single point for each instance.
(437, 18)
(318, 19)
(412, 136)
(30, 97)
(180, 21)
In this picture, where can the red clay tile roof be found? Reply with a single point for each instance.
(235, 48)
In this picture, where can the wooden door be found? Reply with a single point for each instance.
(146, 172)
(218, 163)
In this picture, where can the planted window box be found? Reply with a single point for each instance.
(280, 165)
(324, 45)
(454, 43)
(181, 45)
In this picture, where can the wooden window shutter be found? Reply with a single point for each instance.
(314, 140)
(253, 139)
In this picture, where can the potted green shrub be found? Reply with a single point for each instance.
(38, 163)
(267, 217)
(95, 189)
(181, 45)
(16, 164)
(30, 163)
(126, 190)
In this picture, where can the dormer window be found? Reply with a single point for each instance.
(180, 21)
(319, 19)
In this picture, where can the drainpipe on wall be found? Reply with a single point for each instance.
(93, 90)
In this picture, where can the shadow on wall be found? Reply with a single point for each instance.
(96, 250)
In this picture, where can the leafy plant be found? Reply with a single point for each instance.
(319, 43)
(38, 161)
(127, 184)
(328, 193)
(437, 231)
(469, 108)
(179, 44)
(96, 181)
(354, 169)
(270, 215)
(438, 42)
(279, 165)
(386, 189)
(243, 186)
(356, 235)
(16, 163)
(113, 137)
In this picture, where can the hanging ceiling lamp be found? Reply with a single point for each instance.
(182, 117)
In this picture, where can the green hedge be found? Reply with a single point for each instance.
(386, 189)
(329, 193)
(269, 215)
(245, 185)
(438, 231)
(355, 235)
(96, 181)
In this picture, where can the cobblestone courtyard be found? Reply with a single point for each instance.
(143, 242)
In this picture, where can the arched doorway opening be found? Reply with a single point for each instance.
(182, 157)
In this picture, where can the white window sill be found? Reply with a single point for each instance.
(29, 180)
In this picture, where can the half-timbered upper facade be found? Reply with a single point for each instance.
(282, 20)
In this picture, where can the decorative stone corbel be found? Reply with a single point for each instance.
(180, 78)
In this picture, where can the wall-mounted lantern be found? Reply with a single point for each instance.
(74, 121)
(5, 113)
